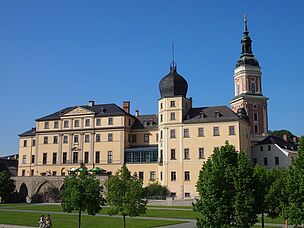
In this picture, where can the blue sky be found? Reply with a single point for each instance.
(55, 54)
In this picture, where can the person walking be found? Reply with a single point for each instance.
(42, 221)
(48, 222)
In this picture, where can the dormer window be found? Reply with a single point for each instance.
(217, 114)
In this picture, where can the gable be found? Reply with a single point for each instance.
(78, 111)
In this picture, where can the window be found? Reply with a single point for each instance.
(44, 158)
(161, 134)
(186, 153)
(23, 159)
(55, 140)
(187, 175)
(255, 106)
(216, 131)
(161, 117)
(97, 137)
(33, 158)
(173, 157)
(66, 124)
(64, 157)
(76, 123)
(265, 161)
(269, 147)
(201, 132)
(276, 160)
(110, 157)
(110, 121)
(161, 176)
(46, 125)
(110, 137)
(172, 116)
(32, 172)
(97, 156)
(129, 122)
(134, 139)
(34, 142)
(172, 133)
(255, 128)
(161, 105)
(186, 133)
(54, 173)
(86, 138)
(152, 176)
(25, 143)
(261, 148)
(231, 130)
(141, 175)
(173, 176)
(98, 122)
(187, 194)
(86, 157)
(76, 138)
(173, 194)
(255, 116)
(23, 172)
(75, 157)
(172, 103)
(146, 137)
(65, 139)
(255, 161)
(87, 122)
(56, 124)
(252, 87)
(54, 158)
(201, 153)
(156, 137)
(45, 140)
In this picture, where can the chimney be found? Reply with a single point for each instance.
(91, 103)
(285, 137)
(126, 106)
(136, 112)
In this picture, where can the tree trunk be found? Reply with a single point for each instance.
(286, 223)
(124, 221)
(262, 219)
(79, 218)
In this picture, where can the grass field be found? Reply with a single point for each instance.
(160, 213)
(70, 221)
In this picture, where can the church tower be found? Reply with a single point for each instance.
(248, 87)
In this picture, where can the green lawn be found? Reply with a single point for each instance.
(181, 207)
(184, 214)
(70, 221)
(270, 220)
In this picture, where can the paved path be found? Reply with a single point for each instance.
(14, 226)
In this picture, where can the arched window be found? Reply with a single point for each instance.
(252, 87)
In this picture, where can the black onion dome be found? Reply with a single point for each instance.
(173, 84)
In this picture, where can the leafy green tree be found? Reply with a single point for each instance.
(81, 193)
(294, 206)
(216, 189)
(156, 189)
(281, 133)
(262, 186)
(244, 204)
(125, 194)
(7, 185)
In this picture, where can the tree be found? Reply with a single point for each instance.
(281, 133)
(156, 189)
(227, 190)
(125, 195)
(81, 193)
(294, 207)
(245, 203)
(262, 186)
(7, 186)
(216, 189)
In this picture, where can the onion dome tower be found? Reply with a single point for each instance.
(248, 87)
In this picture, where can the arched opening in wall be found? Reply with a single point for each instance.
(252, 87)
(46, 192)
(62, 172)
(23, 192)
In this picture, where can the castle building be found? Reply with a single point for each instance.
(170, 146)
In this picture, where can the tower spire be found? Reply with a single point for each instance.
(173, 64)
(246, 41)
